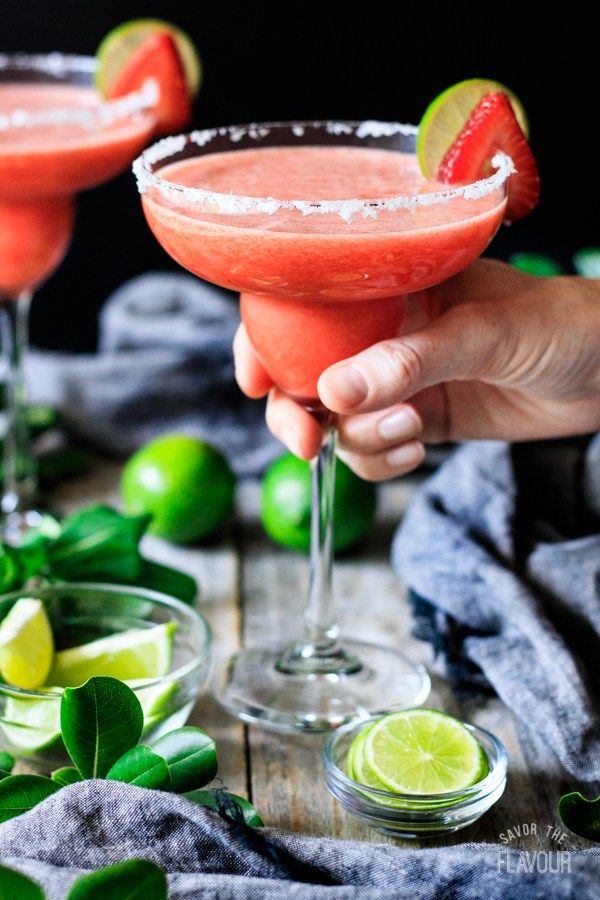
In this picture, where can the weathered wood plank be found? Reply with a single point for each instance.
(265, 598)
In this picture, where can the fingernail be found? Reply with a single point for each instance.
(348, 384)
(400, 425)
(291, 439)
(407, 455)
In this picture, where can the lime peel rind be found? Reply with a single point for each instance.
(446, 115)
(118, 45)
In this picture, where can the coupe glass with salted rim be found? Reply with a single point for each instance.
(56, 138)
(322, 276)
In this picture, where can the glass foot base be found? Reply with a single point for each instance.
(15, 525)
(253, 688)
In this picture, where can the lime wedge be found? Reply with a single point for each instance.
(445, 117)
(137, 653)
(421, 751)
(122, 41)
(29, 725)
(26, 644)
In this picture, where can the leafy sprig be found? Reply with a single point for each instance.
(101, 724)
(96, 543)
(580, 815)
(132, 879)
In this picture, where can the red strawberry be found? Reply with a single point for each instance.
(492, 126)
(158, 58)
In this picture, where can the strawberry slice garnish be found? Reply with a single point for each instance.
(158, 58)
(492, 126)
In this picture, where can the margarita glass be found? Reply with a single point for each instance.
(56, 138)
(324, 228)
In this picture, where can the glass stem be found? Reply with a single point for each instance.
(320, 615)
(20, 480)
(321, 652)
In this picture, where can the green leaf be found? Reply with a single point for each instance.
(211, 799)
(98, 542)
(7, 761)
(191, 756)
(580, 815)
(100, 721)
(16, 886)
(66, 776)
(167, 580)
(9, 570)
(20, 793)
(134, 879)
(142, 767)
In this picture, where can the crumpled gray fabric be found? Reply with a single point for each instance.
(532, 624)
(94, 824)
(164, 364)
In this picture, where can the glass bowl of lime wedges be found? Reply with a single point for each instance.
(415, 773)
(59, 635)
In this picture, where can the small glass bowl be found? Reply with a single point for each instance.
(413, 815)
(82, 612)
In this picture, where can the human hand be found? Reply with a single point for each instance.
(492, 353)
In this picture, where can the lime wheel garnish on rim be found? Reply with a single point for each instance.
(146, 49)
(464, 128)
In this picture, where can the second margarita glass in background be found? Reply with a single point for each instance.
(324, 228)
(56, 138)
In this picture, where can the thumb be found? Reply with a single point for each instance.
(462, 344)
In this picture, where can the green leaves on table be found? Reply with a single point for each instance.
(100, 721)
(166, 580)
(101, 724)
(67, 775)
(191, 757)
(142, 767)
(227, 805)
(7, 761)
(16, 886)
(580, 815)
(20, 793)
(98, 542)
(93, 544)
(134, 879)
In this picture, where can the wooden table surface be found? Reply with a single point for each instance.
(252, 593)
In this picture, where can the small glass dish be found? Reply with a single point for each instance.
(413, 815)
(83, 612)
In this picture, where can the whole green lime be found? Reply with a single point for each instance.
(286, 503)
(183, 482)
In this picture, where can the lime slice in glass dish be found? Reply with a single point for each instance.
(133, 654)
(445, 117)
(421, 751)
(120, 43)
(29, 725)
(26, 644)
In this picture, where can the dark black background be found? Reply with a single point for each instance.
(292, 60)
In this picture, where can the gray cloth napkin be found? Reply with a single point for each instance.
(164, 364)
(506, 543)
(95, 823)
